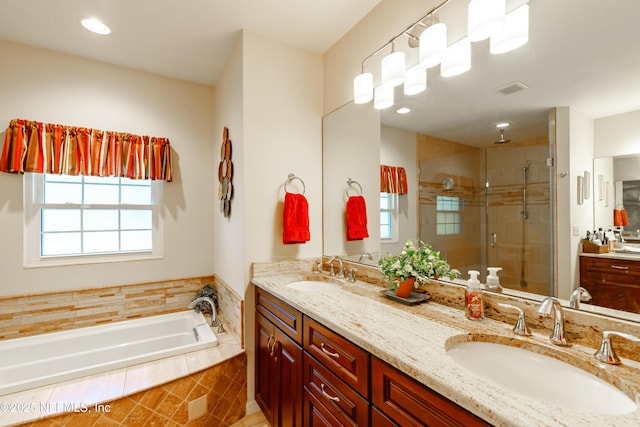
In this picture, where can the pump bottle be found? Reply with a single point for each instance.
(474, 306)
(493, 282)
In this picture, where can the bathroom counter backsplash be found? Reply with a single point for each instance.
(414, 339)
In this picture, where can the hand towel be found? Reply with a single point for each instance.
(356, 218)
(617, 218)
(295, 221)
(623, 217)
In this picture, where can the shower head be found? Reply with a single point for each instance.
(502, 140)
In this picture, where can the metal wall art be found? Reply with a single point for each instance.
(225, 174)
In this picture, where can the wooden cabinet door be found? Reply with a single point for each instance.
(278, 375)
(266, 369)
(409, 403)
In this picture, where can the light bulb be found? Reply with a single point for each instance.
(392, 69)
(457, 60)
(363, 88)
(486, 17)
(433, 45)
(515, 32)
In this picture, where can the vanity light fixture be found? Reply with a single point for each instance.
(392, 67)
(95, 26)
(457, 60)
(415, 80)
(515, 32)
(383, 97)
(486, 19)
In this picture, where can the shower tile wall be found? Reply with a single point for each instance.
(439, 159)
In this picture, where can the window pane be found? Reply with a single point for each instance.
(60, 244)
(385, 232)
(132, 195)
(62, 193)
(384, 201)
(136, 240)
(136, 220)
(100, 219)
(95, 194)
(62, 178)
(60, 220)
(100, 241)
(136, 182)
(113, 180)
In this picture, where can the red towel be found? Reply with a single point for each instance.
(617, 218)
(295, 219)
(356, 218)
(623, 217)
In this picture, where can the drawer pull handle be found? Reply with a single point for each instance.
(327, 352)
(327, 395)
(620, 267)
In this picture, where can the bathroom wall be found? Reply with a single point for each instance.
(617, 135)
(398, 148)
(51, 87)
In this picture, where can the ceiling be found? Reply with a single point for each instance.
(582, 54)
(184, 39)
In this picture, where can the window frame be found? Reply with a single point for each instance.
(393, 211)
(455, 212)
(33, 203)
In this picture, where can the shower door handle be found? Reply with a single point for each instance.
(493, 240)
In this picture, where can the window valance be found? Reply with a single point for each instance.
(393, 179)
(52, 148)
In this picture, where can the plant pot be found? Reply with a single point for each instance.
(405, 287)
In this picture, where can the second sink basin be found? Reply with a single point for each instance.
(317, 286)
(541, 377)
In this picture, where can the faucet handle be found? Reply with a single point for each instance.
(520, 327)
(352, 275)
(605, 353)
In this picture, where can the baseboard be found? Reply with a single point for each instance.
(252, 407)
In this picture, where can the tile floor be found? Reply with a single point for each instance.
(254, 420)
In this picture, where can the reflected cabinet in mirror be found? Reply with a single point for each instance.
(502, 197)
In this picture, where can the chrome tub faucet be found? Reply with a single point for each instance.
(192, 304)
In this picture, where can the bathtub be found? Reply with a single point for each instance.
(60, 356)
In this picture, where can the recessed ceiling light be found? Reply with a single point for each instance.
(503, 125)
(403, 110)
(95, 26)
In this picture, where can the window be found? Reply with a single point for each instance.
(388, 216)
(448, 215)
(77, 219)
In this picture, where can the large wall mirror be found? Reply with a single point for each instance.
(481, 196)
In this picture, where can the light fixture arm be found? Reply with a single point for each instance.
(405, 31)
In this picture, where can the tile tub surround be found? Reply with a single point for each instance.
(373, 322)
(38, 314)
(132, 392)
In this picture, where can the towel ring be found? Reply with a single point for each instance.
(352, 183)
(290, 178)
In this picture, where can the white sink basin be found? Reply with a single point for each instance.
(541, 377)
(316, 286)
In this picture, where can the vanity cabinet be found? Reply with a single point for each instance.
(612, 282)
(278, 361)
(407, 402)
(306, 374)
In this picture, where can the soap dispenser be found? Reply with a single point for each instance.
(473, 304)
(493, 282)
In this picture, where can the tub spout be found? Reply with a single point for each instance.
(193, 304)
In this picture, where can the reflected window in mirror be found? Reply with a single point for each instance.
(448, 215)
(388, 216)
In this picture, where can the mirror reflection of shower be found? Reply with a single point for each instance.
(525, 171)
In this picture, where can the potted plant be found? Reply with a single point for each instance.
(416, 263)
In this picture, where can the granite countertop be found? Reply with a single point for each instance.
(414, 339)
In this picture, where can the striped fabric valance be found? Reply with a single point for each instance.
(393, 179)
(51, 148)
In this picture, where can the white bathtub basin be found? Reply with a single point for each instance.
(316, 286)
(541, 377)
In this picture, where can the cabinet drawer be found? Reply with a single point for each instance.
(345, 359)
(609, 270)
(407, 402)
(285, 317)
(347, 406)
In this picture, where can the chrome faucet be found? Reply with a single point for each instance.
(192, 304)
(520, 327)
(548, 304)
(332, 271)
(605, 353)
(365, 255)
(579, 294)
